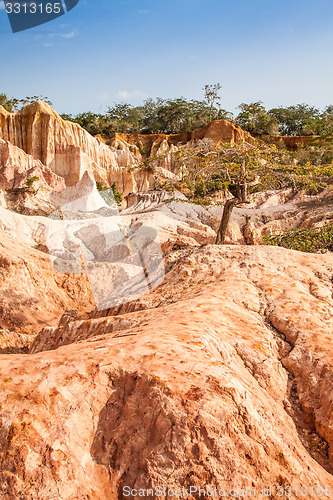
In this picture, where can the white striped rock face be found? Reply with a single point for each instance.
(221, 377)
(16, 167)
(68, 150)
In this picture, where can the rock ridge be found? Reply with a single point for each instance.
(68, 150)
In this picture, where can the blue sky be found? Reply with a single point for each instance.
(109, 51)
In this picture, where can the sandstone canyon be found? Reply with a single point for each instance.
(218, 376)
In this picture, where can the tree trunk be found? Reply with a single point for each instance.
(230, 204)
(228, 208)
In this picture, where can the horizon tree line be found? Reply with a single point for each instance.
(179, 115)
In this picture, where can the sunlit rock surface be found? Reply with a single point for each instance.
(69, 150)
(220, 377)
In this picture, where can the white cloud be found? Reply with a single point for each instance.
(132, 95)
(48, 39)
(68, 35)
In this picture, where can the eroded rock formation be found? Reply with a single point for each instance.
(33, 294)
(163, 145)
(218, 131)
(68, 150)
(205, 382)
(269, 213)
(221, 377)
(16, 167)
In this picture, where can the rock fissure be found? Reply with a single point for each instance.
(314, 443)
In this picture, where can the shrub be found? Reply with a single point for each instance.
(106, 195)
(100, 186)
(30, 180)
(117, 195)
(305, 240)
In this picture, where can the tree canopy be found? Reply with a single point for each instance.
(178, 115)
(168, 116)
(12, 104)
(212, 96)
(174, 116)
(296, 120)
(242, 169)
(253, 117)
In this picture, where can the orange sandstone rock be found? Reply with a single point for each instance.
(220, 378)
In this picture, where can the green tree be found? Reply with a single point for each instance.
(13, 104)
(69, 118)
(173, 116)
(253, 117)
(323, 124)
(295, 120)
(10, 104)
(149, 115)
(169, 116)
(212, 96)
(243, 169)
(94, 123)
(34, 98)
(229, 166)
(124, 117)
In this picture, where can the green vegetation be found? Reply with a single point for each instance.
(306, 240)
(174, 116)
(168, 116)
(179, 115)
(244, 169)
(212, 96)
(100, 186)
(299, 119)
(13, 104)
(106, 194)
(208, 168)
(303, 119)
(253, 117)
(117, 194)
(30, 180)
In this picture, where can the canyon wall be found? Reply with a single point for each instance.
(291, 142)
(69, 150)
(16, 167)
(218, 131)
